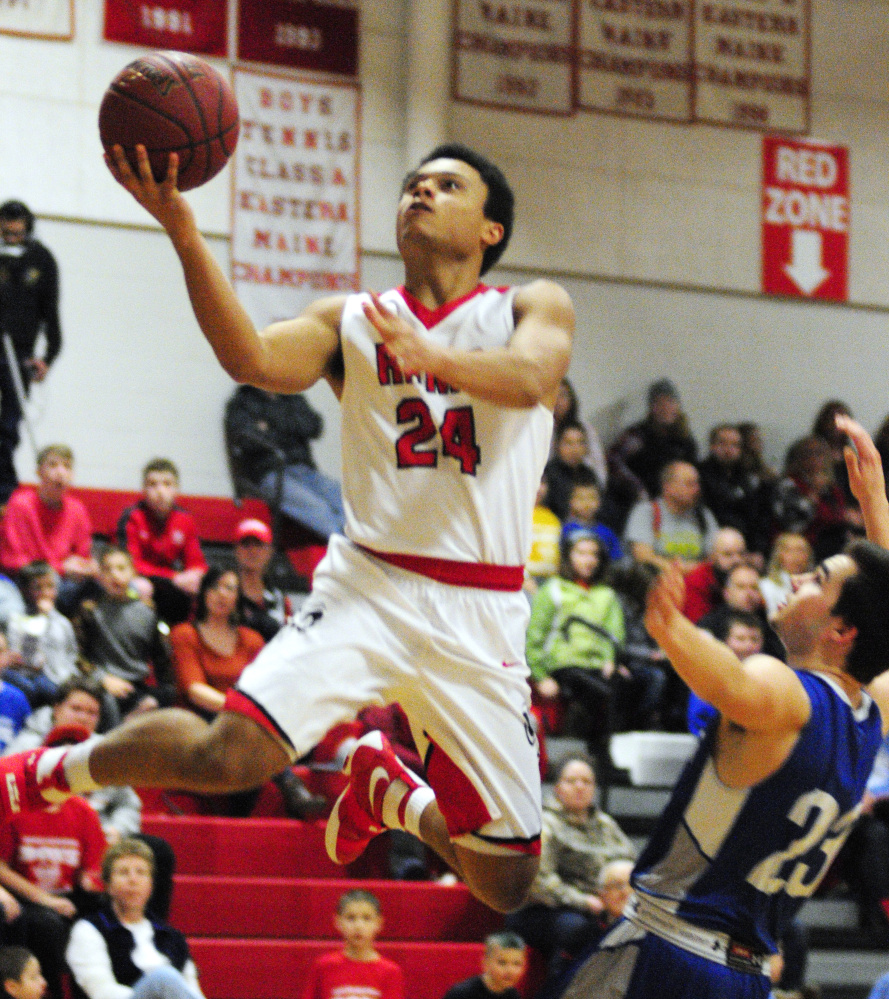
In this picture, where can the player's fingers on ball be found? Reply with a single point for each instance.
(121, 161)
(145, 174)
(172, 171)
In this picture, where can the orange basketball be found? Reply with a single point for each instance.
(172, 102)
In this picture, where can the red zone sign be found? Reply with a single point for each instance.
(805, 219)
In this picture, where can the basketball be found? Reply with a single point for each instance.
(172, 102)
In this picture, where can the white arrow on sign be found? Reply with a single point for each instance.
(805, 269)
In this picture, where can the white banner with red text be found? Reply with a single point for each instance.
(53, 19)
(295, 201)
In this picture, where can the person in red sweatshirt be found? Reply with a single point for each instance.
(357, 971)
(163, 541)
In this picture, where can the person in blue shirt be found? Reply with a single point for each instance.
(14, 707)
(767, 801)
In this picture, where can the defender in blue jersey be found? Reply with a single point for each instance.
(775, 787)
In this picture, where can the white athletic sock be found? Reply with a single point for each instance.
(400, 799)
(75, 763)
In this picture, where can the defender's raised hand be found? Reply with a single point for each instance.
(666, 598)
(866, 479)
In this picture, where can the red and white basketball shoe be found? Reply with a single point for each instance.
(25, 785)
(357, 816)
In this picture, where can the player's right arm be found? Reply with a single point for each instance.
(867, 480)
(287, 357)
(761, 694)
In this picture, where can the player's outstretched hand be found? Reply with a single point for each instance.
(413, 353)
(666, 598)
(162, 200)
(865, 467)
(866, 479)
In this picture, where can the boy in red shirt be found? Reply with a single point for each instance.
(357, 971)
(51, 862)
(163, 541)
(48, 524)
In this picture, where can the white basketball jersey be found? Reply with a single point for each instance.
(428, 470)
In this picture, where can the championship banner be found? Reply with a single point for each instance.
(635, 59)
(302, 34)
(515, 55)
(51, 19)
(295, 200)
(753, 63)
(198, 26)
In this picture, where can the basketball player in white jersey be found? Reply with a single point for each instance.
(447, 388)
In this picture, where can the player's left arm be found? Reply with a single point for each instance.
(525, 372)
(760, 694)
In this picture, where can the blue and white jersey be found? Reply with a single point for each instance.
(742, 861)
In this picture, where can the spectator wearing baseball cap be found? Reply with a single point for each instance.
(262, 608)
(640, 454)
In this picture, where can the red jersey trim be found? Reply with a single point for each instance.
(432, 317)
(238, 702)
(530, 847)
(479, 575)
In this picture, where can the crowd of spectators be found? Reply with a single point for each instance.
(93, 633)
(739, 529)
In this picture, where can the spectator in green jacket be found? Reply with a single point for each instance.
(575, 635)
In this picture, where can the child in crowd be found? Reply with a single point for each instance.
(503, 965)
(122, 638)
(51, 862)
(20, 974)
(744, 636)
(583, 506)
(546, 528)
(574, 636)
(358, 969)
(163, 541)
(43, 637)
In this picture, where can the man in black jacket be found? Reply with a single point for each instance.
(29, 306)
(271, 434)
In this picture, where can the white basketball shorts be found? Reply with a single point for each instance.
(453, 657)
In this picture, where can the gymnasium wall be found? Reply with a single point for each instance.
(654, 229)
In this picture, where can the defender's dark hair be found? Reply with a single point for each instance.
(12, 965)
(500, 203)
(358, 895)
(864, 603)
(17, 211)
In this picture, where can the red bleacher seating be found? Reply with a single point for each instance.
(216, 518)
(256, 898)
(276, 969)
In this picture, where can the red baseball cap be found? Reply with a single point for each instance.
(254, 528)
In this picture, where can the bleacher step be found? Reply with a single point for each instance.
(846, 968)
(245, 847)
(276, 969)
(302, 908)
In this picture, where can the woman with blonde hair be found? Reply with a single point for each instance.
(791, 555)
